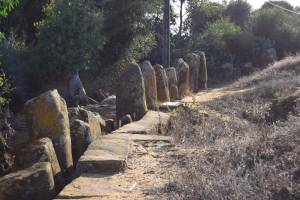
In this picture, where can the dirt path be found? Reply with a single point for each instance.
(210, 95)
(149, 167)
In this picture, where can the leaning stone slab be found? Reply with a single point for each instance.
(163, 94)
(34, 183)
(153, 123)
(170, 106)
(105, 154)
(47, 116)
(41, 150)
(202, 71)
(150, 85)
(131, 98)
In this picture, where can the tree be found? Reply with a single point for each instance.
(68, 39)
(239, 12)
(201, 14)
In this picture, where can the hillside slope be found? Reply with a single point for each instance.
(242, 141)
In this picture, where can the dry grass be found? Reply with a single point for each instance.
(231, 150)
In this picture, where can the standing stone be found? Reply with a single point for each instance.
(193, 60)
(131, 98)
(202, 71)
(173, 82)
(41, 150)
(163, 94)
(150, 85)
(34, 183)
(77, 92)
(47, 116)
(183, 77)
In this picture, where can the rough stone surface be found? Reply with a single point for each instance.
(139, 137)
(131, 98)
(125, 120)
(94, 120)
(202, 71)
(170, 106)
(162, 84)
(81, 136)
(150, 85)
(152, 123)
(172, 82)
(41, 150)
(183, 77)
(47, 116)
(105, 154)
(193, 60)
(34, 183)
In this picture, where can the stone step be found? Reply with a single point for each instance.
(105, 154)
(153, 123)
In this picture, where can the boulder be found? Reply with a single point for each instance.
(150, 85)
(125, 120)
(47, 116)
(110, 125)
(193, 60)
(172, 82)
(34, 183)
(183, 77)
(94, 120)
(131, 98)
(163, 94)
(41, 150)
(202, 71)
(77, 92)
(81, 136)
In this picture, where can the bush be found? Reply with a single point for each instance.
(280, 27)
(239, 12)
(69, 39)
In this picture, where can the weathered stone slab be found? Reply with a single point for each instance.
(170, 106)
(163, 94)
(183, 77)
(202, 71)
(47, 116)
(34, 183)
(131, 98)
(105, 154)
(41, 150)
(150, 85)
(173, 82)
(140, 137)
(193, 60)
(152, 123)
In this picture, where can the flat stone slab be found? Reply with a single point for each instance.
(153, 123)
(140, 137)
(105, 154)
(170, 106)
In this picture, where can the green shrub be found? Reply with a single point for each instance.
(69, 39)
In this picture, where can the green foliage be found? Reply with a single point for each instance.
(239, 12)
(201, 14)
(128, 28)
(6, 6)
(280, 27)
(69, 39)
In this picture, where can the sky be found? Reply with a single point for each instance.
(255, 4)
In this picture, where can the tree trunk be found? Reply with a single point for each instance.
(180, 17)
(166, 35)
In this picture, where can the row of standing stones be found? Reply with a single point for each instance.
(142, 87)
(60, 135)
